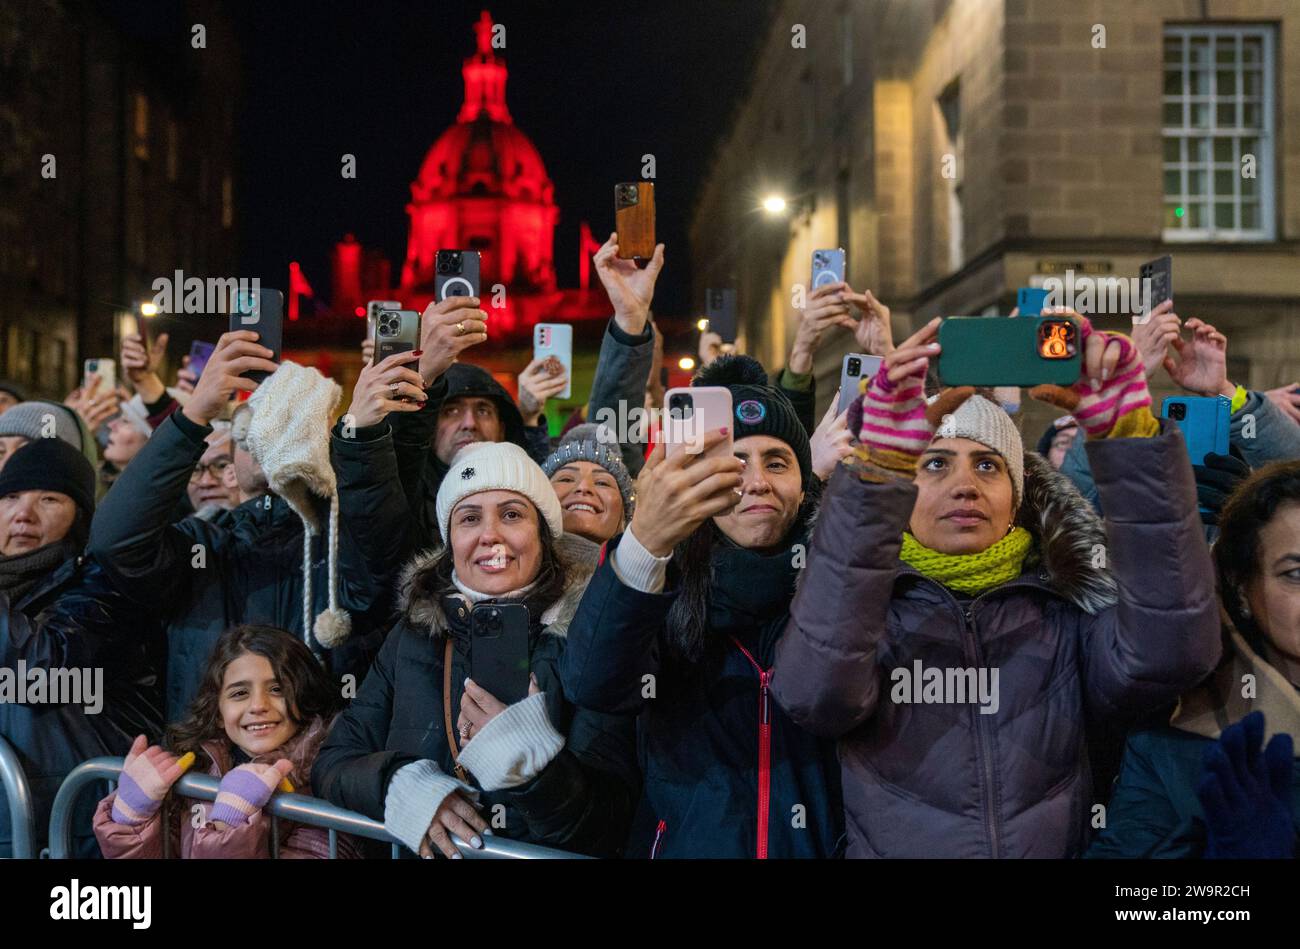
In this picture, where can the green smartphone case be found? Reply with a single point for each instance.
(1002, 351)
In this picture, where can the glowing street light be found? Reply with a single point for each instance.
(686, 363)
(774, 204)
(148, 309)
(701, 324)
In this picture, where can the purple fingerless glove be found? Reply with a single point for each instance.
(140, 792)
(243, 792)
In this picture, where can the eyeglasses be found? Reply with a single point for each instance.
(216, 469)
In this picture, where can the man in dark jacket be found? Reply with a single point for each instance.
(247, 566)
(93, 655)
(679, 624)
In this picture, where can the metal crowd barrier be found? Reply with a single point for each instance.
(22, 820)
(296, 807)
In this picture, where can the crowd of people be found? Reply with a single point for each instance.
(731, 655)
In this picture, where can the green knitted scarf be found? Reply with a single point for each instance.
(970, 573)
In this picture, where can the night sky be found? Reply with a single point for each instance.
(594, 85)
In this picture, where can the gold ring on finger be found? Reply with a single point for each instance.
(460, 328)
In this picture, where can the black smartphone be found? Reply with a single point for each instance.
(720, 307)
(498, 655)
(263, 313)
(456, 274)
(1161, 274)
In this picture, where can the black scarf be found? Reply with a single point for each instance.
(21, 572)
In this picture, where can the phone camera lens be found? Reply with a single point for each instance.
(855, 367)
(1178, 411)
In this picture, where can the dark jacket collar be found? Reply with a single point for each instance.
(424, 606)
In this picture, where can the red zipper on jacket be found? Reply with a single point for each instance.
(764, 748)
(659, 839)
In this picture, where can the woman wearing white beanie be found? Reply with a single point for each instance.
(423, 747)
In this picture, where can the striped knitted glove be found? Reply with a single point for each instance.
(894, 423)
(245, 790)
(1116, 403)
(147, 775)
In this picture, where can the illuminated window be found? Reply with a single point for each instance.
(140, 126)
(1218, 133)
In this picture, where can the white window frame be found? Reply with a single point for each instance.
(1264, 163)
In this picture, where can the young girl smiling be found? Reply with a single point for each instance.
(257, 722)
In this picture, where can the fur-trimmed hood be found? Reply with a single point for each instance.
(1068, 536)
(421, 604)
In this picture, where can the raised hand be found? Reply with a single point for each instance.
(629, 287)
(831, 441)
(675, 495)
(1202, 365)
(874, 332)
(245, 790)
(186, 378)
(892, 418)
(1154, 336)
(236, 352)
(825, 307)
(542, 379)
(93, 405)
(141, 362)
(148, 773)
(1287, 398)
(447, 329)
(1112, 382)
(391, 386)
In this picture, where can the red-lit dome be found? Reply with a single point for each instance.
(483, 187)
(483, 158)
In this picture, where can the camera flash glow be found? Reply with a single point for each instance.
(148, 309)
(686, 362)
(701, 324)
(774, 204)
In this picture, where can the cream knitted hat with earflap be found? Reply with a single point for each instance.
(988, 423)
(285, 426)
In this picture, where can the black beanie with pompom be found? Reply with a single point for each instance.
(758, 408)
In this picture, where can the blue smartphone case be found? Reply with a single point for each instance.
(1031, 300)
(1205, 424)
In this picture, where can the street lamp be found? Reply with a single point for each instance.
(148, 309)
(774, 204)
(686, 363)
(701, 324)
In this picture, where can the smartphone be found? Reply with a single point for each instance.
(396, 331)
(692, 411)
(498, 652)
(200, 353)
(456, 274)
(827, 267)
(856, 366)
(263, 313)
(1008, 351)
(1205, 423)
(106, 369)
(634, 219)
(1031, 300)
(372, 309)
(556, 339)
(720, 307)
(1161, 274)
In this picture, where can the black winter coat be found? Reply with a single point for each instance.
(74, 620)
(581, 801)
(203, 577)
(725, 770)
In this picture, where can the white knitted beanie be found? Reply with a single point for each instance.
(285, 426)
(985, 422)
(497, 466)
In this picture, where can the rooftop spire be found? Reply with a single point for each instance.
(485, 78)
